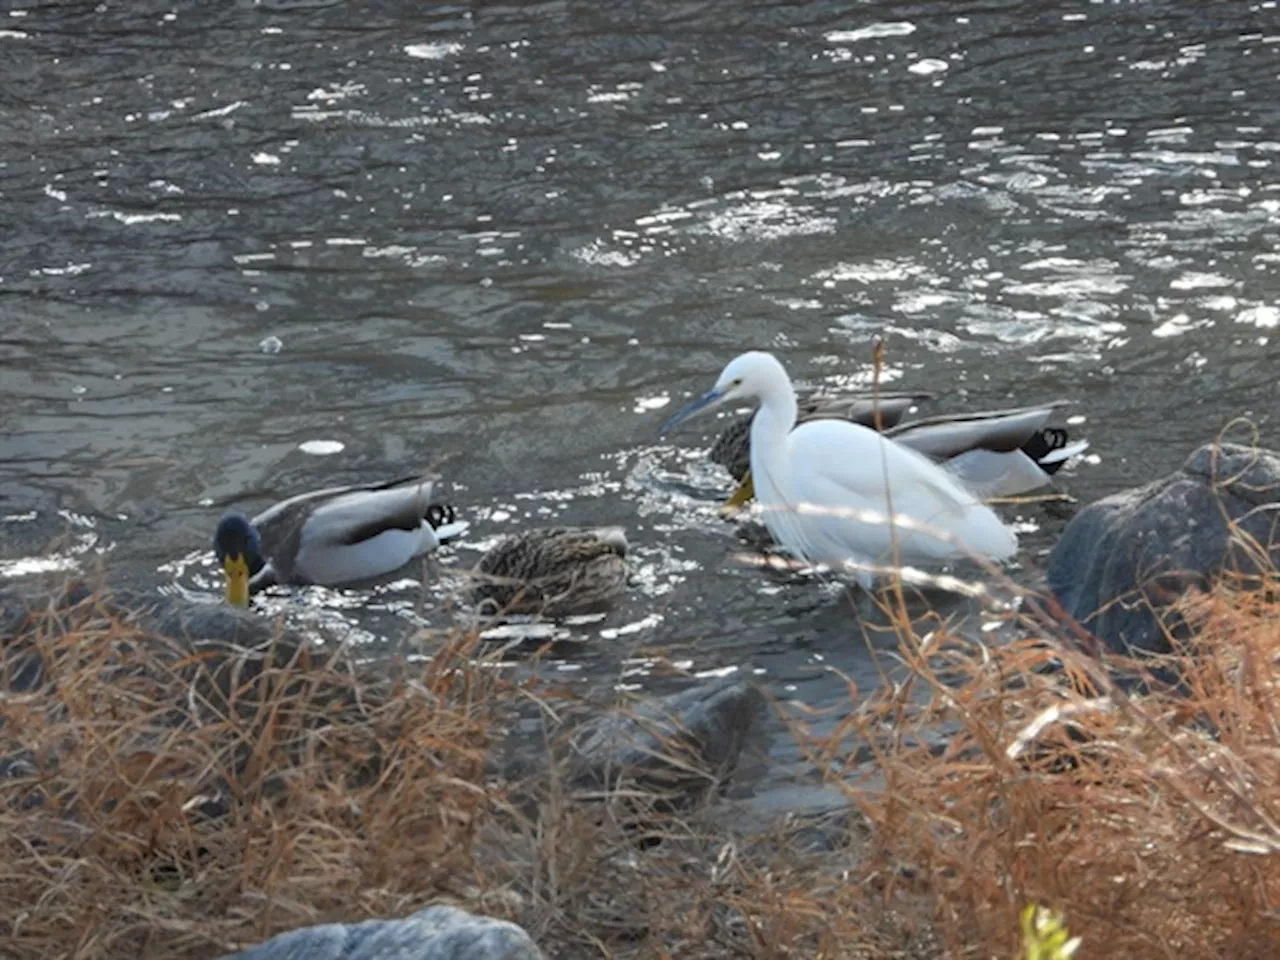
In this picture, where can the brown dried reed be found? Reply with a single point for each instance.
(165, 799)
(1148, 813)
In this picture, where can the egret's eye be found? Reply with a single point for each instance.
(737, 382)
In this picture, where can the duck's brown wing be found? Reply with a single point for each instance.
(861, 407)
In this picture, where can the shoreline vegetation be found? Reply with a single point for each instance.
(164, 798)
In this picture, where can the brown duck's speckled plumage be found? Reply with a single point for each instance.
(552, 571)
(732, 449)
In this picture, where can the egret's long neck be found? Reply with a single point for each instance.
(772, 424)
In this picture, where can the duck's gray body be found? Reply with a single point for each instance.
(994, 453)
(345, 534)
(553, 571)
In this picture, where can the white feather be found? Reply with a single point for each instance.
(452, 531)
(1065, 452)
(990, 474)
(845, 467)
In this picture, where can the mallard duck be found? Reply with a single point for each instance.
(333, 536)
(553, 571)
(994, 453)
(732, 448)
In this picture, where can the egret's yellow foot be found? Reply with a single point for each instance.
(745, 491)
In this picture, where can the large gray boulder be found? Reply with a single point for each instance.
(74, 602)
(436, 933)
(1122, 559)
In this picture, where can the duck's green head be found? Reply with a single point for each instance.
(238, 547)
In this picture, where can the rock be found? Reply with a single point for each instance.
(1144, 547)
(204, 662)
(222, 649)
(810, 818)
(152, 612)
(436, 933)
(682, 743)
(220, 654)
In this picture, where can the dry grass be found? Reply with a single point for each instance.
(1151, 820)
(160, 801)
(165, 801)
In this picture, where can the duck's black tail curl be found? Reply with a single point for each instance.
(438, 514)
(1043, 443)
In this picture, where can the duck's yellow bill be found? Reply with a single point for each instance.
(745, 491)
(237, 571)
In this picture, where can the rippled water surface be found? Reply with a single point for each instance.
(253, 248)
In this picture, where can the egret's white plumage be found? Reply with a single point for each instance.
(824, 483)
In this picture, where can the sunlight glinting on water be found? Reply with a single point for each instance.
(260, 258)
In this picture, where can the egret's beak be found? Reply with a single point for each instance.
(704, 402)
(237, 570)
(746, 490)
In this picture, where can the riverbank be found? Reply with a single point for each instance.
(169, 799)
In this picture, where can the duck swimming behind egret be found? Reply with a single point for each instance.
(333, 536)
(825, 482)
(732, 448)
(994, 453)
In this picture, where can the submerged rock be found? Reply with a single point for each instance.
(436, 933)
(682, 743)
(21, 608)
(1122, 559)
(220, 648)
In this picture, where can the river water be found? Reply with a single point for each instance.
(251, 248)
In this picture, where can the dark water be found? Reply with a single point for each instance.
(507, 239)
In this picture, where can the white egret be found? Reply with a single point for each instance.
(828, 486)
